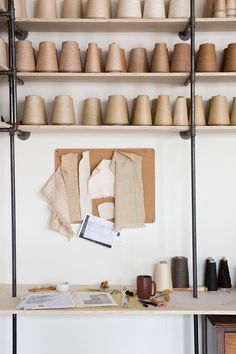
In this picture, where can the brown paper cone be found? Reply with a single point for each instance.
(230, 8)
(230, 58)
(70, 60)
(47, 57)
(160, 59)
(46, 9)
(93, 59)
(2, 5)
(72, 9)
(63, 111)
(181, 58)
(219, 8)
(233, 112)
(101, 60)
(123, 60)
(117, 111)
(34, 111)
(219, 112)
(163, 114)
(92, 113)
(180, 111)
(179, 8)
(138, 61)
(206, 58)
(114, 59)
(200, 118)
(20, 9)
(3, 55)
(209, 8)
(25, 59)
(142, 111)
(129, 9)
(154, 9)
(98, 9)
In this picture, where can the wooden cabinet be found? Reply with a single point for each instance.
(221, 334)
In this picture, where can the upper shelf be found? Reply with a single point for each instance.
(124, 25)
(4, 125)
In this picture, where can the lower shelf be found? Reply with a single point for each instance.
(182, 303)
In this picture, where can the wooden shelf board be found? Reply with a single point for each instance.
(215, 24)
(217, 128)
(102, 25)
(216, 77)
(4, 125)
(182, 303)
(3, 67)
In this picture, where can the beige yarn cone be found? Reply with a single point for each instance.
(129, 9)
(25, 59)
(3, 55)
(200, 118)
(93, 59)
(34, 111)
(117, 111)
(230, 58)
(20, 9)
(154, 9)
(72, 9)
(2, 5)
(180, 111)
(63, 111)
(114, 60)
(142, 111)
(98, 9)
(219, 112)
(233, 112)
(92, 113)
(160, 59)
(162, 276)
(230, 8)
(181, 58)
(209, 8)
(219, 8)
(206, 58)
(46, 9)
(123, 60)
(138, 61)
(70, 60)
(179, 8)
(163, 114)
(47, 57)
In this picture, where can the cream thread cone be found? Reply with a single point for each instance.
(117, 111)
(46, 9)
(47, 57)
(20, 9)
(98, 9)
(163, 277)
(163, 114)
(63, 111)
(34, 111)
(70, 59)
(200, 118)
(180, 112)
(219, 112)
(219, 8)
(160, 59)
(25, 58)
(3, 55)
(114, 59)
(2, 5)
(142, 112)
(181, 58)
(154, 9)
(230, 8)
(179, 8)
(93, 59)
(138, 60)
(92, 112)
(72, 9)
(129, 9)
(233, 112)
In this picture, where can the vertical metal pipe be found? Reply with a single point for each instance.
(14, 334)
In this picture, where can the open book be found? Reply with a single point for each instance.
(63, 300)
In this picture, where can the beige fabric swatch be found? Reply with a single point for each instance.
(84, 175)
(54, 194)
(129, 193)
(69, 169)
(102, 181)
(106, 210)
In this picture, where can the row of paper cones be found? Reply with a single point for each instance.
(102, 9)
(70, 58)
(143, 112)
(220, 8)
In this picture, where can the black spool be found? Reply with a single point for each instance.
(224, 279)
(211, 275)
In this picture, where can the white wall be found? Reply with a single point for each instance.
(45, 256)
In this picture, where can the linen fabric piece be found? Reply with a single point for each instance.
(54, 193)
(102, 181)
(129, 192)
(69, 168)
(84, 175)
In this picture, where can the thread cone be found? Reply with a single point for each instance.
(163, 277)
(219, 8)
(230, 8)
(206, 58)
(123, 60)
(3, 54)
(25, 59)
(117, 111)
(200, 117)
(114, 60)
(34, 111)
(2, 5)
(47, 57)
(230, 58)
(154, 9)
(180, 111)
(129, 9)
(233, 112)
(179, 8)
(93, 59)
(181, 58)
(63, 111)
(138, 61)
(46, 9)
(70, 60)
(218, 113)
(20, 9)
(142, 112)
(92, 113)
(72, 9)
(160, 59)
(163, 114)
(209, 8)
(98, 9)
(224, 278)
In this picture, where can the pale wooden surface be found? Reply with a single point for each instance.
(3, 67)
(230, 343)
(4, 125)
(215, 24)
(182, 303)
(216, 77)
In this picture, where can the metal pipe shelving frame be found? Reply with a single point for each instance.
(15, 31)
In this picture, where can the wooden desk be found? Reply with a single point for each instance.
(221, 334)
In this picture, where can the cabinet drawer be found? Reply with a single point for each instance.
(230, 343)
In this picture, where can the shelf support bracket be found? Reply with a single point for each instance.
(186, 135)
(186, 34)
(23, 135)
(20, 82)
(20, 34)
